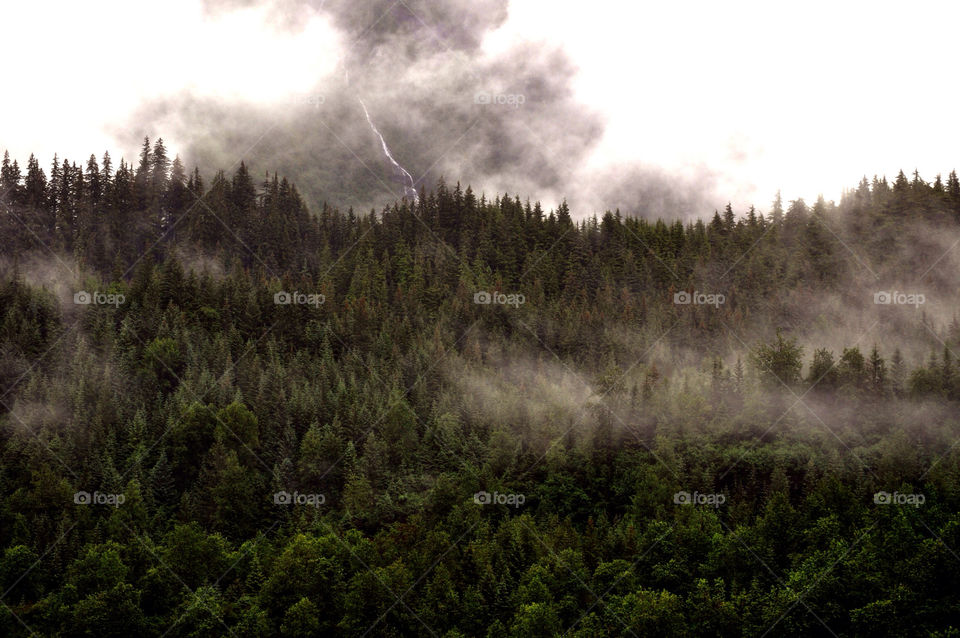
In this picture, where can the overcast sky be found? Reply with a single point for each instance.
(806, 97)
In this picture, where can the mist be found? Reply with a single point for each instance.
(445, 105)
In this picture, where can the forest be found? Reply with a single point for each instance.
(225, 414)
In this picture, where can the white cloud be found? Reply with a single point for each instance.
(805, 96)
(83, 67)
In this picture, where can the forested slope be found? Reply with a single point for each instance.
(224, 414)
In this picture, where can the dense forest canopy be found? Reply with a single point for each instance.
(222, 413)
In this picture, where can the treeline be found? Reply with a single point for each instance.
(448, 244)
(203, 458)
(780, 365)
(109, 218)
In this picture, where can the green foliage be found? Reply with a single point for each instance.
(387, 411)
(779, 363)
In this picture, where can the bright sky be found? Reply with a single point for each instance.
(83, 67)
(806, 97)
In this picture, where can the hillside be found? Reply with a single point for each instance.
(224, 413)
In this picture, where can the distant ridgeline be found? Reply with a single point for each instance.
(109, 217)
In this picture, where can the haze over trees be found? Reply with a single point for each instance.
(471, 416)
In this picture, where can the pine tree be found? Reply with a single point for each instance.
(823, 372)
(92, 185)
(162, 487)
(9, 180)
(141, 180)
(878, 371)
(243, 206)
(776, 213)
(738, 376)
(950, 376)
(176, 201)
(953, 193)
(728, 219)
